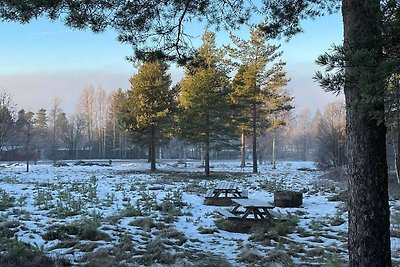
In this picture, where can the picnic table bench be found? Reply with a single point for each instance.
(224, 192)
(227, 189)
(256, 209)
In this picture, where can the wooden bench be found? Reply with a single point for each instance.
(256, 208)
(209, 193)
(223, 193)
(226, 213)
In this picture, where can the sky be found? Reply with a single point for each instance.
(44, 60)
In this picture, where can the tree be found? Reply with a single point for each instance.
(204, 96)
(114, 129)
(393, 119)
(24, 133)
(146, 110)
(101, 107)
(369, 236)
(303, 131)
(41, 132)
(360, 69)
(256, 85)
(148, 26)
(54, 137)
(86, 110)
(63, 131)
(6, 120)
(331, 136)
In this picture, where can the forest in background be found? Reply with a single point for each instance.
(94, 132)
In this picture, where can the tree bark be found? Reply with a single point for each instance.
(243, 150)
(254, 115)
(273, 148)
(397, 149)
(152, 150)
(207, 157)
(369, 235)
(396, 159)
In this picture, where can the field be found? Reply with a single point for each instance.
(123, 215)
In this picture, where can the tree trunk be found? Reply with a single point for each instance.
(396, 159)
(243, 150)
(369, 235)
(149, 154)
(273, 149)
(397, 148)
(255, 168)
(207, 157)
(153, 150)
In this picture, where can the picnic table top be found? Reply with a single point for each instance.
(248, 202)
(226, 186)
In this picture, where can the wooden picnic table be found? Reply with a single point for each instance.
(226, 190)
(257, 208)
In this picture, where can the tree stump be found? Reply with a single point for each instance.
(288, 199)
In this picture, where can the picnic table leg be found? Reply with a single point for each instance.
(216, 193)
(248, 211)
(267, 214)
(255, 214)
(235, 208)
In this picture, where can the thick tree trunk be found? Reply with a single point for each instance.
(243, 150)
(369, 235)
(255, 168)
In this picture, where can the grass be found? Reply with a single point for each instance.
(154, 239)
(6, 200)
(273, 185)
(249, 256)
(235, 226)
(21, 254)
(172, 236)
(207, 231)
(342, 196)
(145, 223)
(156, 251)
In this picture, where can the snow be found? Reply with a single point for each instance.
(123, 181)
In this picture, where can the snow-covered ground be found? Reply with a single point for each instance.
(120, 199)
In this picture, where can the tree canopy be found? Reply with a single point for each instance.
(162, 27)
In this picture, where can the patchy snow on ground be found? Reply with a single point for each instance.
(78, 212)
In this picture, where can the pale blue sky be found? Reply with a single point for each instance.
(43, 60)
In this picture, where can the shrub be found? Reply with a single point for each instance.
(145, 223)
(6, 201)
(273, 185)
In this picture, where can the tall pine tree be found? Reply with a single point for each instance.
(203, 99)
(256, 85)
(147, 110)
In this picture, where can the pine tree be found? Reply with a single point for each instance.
(205, 109)
(41, 132)
(256, 85)
(146, 111)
